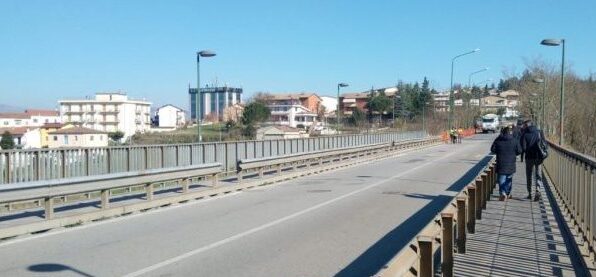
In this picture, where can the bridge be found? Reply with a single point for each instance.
(355, 205)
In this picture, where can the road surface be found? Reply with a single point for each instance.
(347, 222)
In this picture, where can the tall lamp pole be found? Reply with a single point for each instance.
(204, 54)
(340, 85)
(473, 73)
(451, 97)
(557, 42)
(542, 112)
(424, 117)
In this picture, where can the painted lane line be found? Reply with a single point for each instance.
(186, 255)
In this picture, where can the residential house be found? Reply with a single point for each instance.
(293, 109)
(170, 116)
(77, 137)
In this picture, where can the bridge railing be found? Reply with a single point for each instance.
(572, 176)
(45, 164)
(446, 232)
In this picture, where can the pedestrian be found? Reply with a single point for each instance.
(529, 142)
(453, 135)
(506, 147)
(522, 130)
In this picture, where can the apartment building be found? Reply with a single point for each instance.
(108, 112)
(214, 101)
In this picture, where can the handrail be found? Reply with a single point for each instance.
(462, 212)
(571, 174)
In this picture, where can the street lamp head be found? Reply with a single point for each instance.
(551, 42)
(343, 85)
(538, 80)
(206, 53)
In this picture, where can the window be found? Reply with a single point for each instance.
(17, 122)
(100, 137)
(55, 138)
(35, 120)
(76, 138)
(6, 122)
(91, 138)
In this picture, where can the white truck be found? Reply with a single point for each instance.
(490, 122)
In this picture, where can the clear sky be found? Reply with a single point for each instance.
(52, 50)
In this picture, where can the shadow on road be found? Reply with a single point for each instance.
(56, 268)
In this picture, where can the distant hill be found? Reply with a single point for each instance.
(10, 109)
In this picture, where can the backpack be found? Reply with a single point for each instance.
(542, 148)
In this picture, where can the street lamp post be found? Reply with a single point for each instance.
(424, 117)
(542, 112)
(473, 73)
(204, 54)
(338, 118)
(557, 42)
(451, 97)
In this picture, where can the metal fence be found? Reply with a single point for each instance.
(572, 175)
(44, 164)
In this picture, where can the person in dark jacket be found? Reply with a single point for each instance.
(529, 143)
(506, 147)
(522, 130)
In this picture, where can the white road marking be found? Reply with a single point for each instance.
(176, 259)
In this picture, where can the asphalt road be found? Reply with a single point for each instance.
(348, 222)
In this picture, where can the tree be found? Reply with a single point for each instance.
(116, 136)
(380, 103)
(255, 112)
(358, 117)
(7, 141)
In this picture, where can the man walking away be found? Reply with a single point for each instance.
(506, 147)
(529, 142)
(522, 131)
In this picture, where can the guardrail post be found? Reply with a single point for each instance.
(479, 197)
(472, 209)
(105, 198)
(279, 169)
(214, 180)
(485, 184)
(294, 166)
(239, 176)
(425, 254)
(149, 191)
(63, 162)
(461, 225)
(321, 161)
(447, 244)
(49, 207)
(186, 185)
(261, 172)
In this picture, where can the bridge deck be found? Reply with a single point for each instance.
(518, 237)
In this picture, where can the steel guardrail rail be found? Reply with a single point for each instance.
(45, 164)
(447, 231)
(572, 176)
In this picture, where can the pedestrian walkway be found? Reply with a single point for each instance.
(518, 237)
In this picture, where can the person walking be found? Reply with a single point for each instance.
(529, 142)
(522, 130)
(460, 134)
(506, 147)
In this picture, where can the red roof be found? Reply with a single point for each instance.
(15, 115)
(52, 125)
(36, 112)
(15, 131)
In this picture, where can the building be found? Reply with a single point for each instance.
(108, 112)
(330, 105)
(352, 101)
(214, 101)
(29, 118)
(280, 132)
(77, 137)
(45, 129)
(170, 116)
(293, 109)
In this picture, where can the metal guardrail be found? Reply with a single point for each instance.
(447, 231)
(104, 184)
(572, 176)
(45, 164)
(319, 158)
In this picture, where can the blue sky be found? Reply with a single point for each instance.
(52, 50)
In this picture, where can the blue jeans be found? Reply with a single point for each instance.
(505, 181)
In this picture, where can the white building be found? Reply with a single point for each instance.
(77, 137)
(108, 112)
(330, 104)
(292, 115)
(29, 118)
(280, 132)
(170, 116)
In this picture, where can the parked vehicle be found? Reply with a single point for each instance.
(490, 122)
